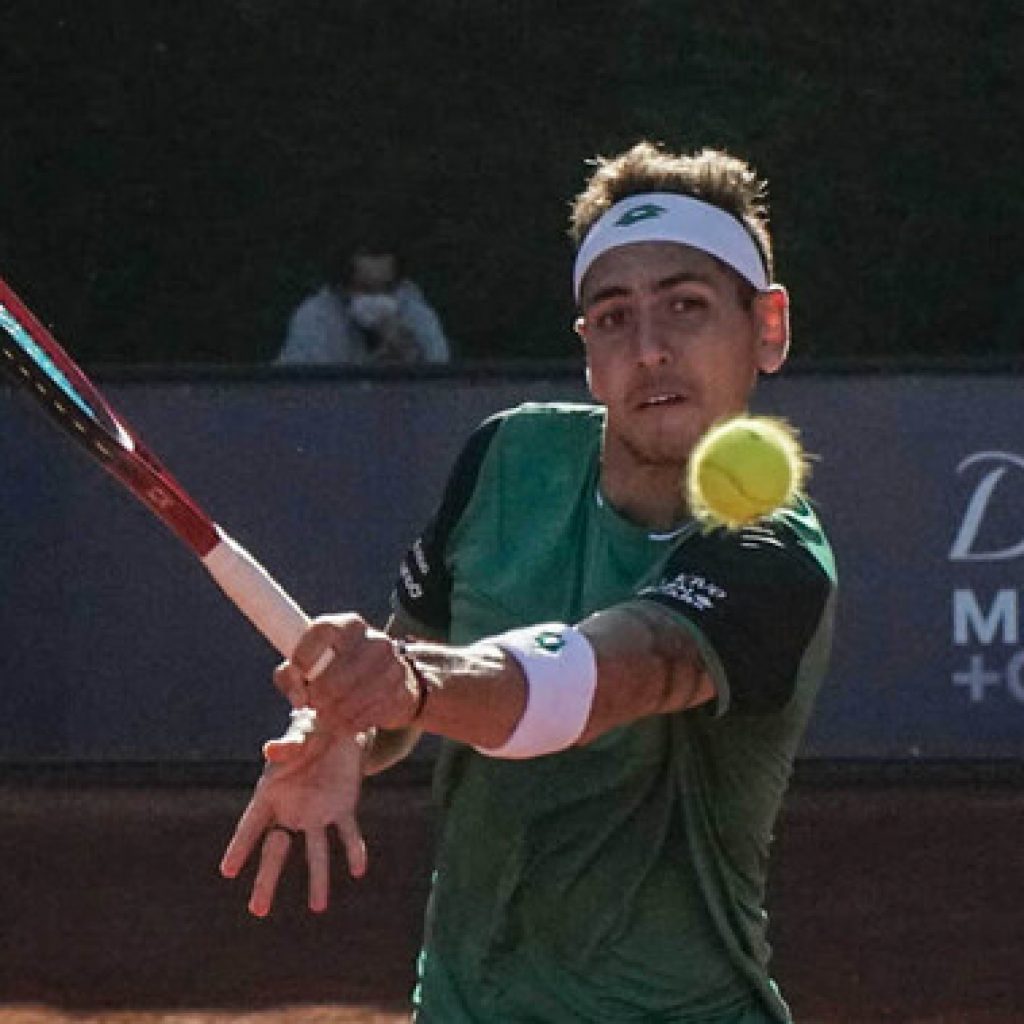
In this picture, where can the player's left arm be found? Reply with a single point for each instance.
(647, 664)
(637, 661)
(643, 663)
(729, 621)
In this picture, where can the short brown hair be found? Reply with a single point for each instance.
(710, 174)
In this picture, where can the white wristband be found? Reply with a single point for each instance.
(561, 676)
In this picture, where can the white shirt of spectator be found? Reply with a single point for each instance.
(325, 329)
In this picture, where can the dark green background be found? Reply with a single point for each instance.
(175, 175)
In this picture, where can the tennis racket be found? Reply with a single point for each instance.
(34, 360)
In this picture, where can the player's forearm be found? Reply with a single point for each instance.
(525, 693)
(645, 663)
(474, 694)
(456, 702)
(468, 696)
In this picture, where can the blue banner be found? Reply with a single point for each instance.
(118, 647)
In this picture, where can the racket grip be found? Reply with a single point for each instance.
(276, 615)
(259, 596)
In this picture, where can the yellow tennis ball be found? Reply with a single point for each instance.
(744, 469)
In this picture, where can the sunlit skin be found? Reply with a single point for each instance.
(671, 347)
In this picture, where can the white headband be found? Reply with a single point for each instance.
(670, 217)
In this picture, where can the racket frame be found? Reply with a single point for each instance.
(105, 434)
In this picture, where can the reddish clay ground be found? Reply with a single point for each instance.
(890, 903)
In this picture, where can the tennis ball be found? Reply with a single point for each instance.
(743, 469)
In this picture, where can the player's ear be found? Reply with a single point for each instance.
(771, 311)
(579, 325)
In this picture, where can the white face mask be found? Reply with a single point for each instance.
(370, 311)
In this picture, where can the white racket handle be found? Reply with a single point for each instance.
(260, 597)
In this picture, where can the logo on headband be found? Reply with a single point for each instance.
(634, 215)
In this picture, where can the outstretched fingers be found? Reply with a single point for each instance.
(276, 845)
(251, 826)
(354, 844)
(318, 863)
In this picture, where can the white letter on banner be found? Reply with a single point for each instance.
(968, 618)
(1015, 676)
(961, 550)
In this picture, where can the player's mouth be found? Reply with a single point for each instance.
(661, 400)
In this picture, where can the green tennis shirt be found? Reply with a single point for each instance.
(623, 880)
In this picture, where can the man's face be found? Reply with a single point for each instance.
(372, 274)
(670, 348)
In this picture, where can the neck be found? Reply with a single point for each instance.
(649, 495)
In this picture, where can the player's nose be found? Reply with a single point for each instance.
(650, 340)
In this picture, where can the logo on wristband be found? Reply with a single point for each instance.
(549, 641)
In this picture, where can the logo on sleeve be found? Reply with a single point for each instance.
(412, 588)
(420, 558)
(690, 589)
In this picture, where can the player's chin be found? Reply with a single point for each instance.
(668, 431)
(662, 448)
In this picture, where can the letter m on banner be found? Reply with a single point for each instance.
(971, 624)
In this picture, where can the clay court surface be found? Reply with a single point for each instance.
(890, 901)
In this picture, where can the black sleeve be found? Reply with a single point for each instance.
(424, 585)
(756, 597)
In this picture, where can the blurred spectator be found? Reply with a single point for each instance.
(371, 317)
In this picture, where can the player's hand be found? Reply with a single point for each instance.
(367, 683)
(304, 799)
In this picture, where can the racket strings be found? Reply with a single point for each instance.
(38, 365)
(51, 394)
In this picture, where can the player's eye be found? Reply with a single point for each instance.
(683, 305)
(609, 319)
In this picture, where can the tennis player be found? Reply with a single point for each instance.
(621, 693)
